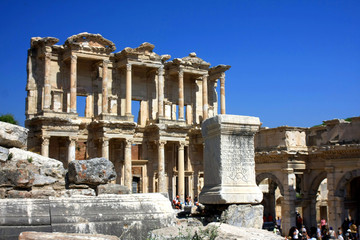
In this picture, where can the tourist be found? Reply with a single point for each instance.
(353, 230)
(340, 235)
(293, 233)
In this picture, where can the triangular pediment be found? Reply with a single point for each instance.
(90, 42)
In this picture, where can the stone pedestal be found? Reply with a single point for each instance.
(229, 164)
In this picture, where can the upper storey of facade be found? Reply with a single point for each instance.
(84, 79)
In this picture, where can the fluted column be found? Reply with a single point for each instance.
(181, 94)
(181, 171)
(128, 89)
(205, 96)
(127, 163)
(222, 93)
(47, 84)
(105, 108)
(45, 146)
(161, 91)
(71, 149)
(161, 167)
(73, 83)
(105, 148)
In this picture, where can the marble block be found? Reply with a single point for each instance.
(229, 164)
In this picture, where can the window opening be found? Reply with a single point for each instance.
(81, 105)
(135, 110)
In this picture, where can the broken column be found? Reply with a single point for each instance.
(229, 164)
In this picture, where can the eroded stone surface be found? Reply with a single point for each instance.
(64, 236)
(111, 188)
(92, 172)
(217, 231)
(13, 135)
(229, 164)
(244, 216)
(130, 216)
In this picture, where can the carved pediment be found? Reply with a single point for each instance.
(192, 61)
(90, 42)
(143, 52)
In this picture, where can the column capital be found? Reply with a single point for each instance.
(181, 145)
(128, 142)
(160, 143)
(45, 139)
(106, 61)
(47, 55)
(222, 75)
(205, 76)
(73, 57)
(128, 66)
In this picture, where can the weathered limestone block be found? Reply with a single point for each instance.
(19, 178)
(229, 164)
(18, 194)
(12, 135)
(92, 172)
(218, 231)
(79, 192)
(4, 153)
(111, 188)
(244, 216)
(46, 166)
(130, 216)
(64, 236)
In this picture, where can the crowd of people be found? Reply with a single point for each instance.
(347, 231)
(177, 204)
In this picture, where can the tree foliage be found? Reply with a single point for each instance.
(9, 118)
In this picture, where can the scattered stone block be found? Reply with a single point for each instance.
(13, 135)
(247, 216)
(218, 231)
(64, 236)
(112, 188)
(18, 194)
(80, 192)
(46, 166)
(19, 178)
(41, 180)
(93, 172)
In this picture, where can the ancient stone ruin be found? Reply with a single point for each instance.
(101, 124)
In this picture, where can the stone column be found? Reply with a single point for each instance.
(288, 203)
(222, 93)
(229, 160)
(71, 149)
(181, 93)
(335, 203)
(105, 108)
(161, 92)
(47, 84)
(128, 89)
(105, 148)
(127, 163)
(181, 171)
(309, 211)
(73, 83)
(45, 146)
(205, 96)
(161, 167)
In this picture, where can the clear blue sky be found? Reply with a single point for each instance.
(294, 63)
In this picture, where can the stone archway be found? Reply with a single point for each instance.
(272, 208)
(309, 203)
(271, 176)
(348, 195)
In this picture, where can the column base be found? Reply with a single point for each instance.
(230, 194)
